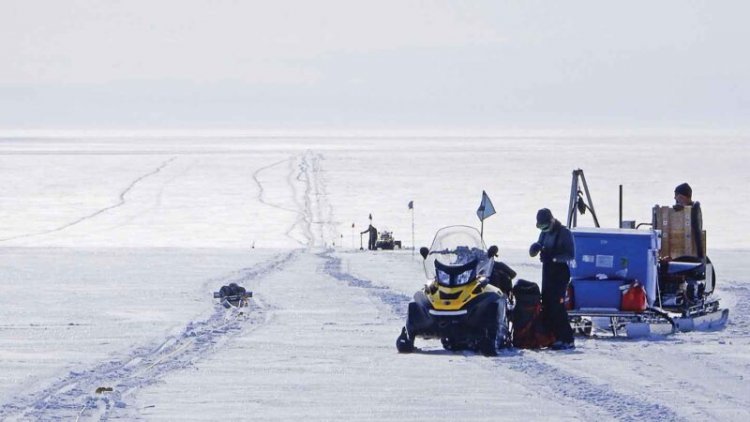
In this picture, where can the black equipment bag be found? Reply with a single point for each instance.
(528, 329)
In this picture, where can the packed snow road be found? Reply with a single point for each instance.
(318, 343)
(327, 353)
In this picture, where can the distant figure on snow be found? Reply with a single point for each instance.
(373, 237)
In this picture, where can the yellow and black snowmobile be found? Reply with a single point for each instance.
(459, 306)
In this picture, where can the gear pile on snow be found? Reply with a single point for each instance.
(528, 330)
(233, 295)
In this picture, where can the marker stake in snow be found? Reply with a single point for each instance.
(413, 244)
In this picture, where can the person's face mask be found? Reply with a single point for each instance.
(544, 227)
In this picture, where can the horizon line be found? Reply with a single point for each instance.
(364, 132)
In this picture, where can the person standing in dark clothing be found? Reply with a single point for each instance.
(556, 248)
(373, 237)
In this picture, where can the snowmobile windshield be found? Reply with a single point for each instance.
(457, 256)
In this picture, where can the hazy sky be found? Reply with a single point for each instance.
(376, 64)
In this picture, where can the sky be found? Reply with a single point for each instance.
(373, 65)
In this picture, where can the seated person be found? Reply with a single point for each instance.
(683, 196)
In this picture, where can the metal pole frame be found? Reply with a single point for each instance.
(413, 243)
(575, 193)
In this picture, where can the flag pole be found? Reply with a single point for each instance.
(413, 244)
(481, 231)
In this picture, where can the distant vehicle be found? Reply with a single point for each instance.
(386, 241)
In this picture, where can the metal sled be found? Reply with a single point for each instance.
(238, 300)
(679, 292)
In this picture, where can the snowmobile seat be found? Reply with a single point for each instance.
(675, 267)
(502, 277)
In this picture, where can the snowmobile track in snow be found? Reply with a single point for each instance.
(613, 404)
(86, 394)
(121, 201)
(298, 210)
(307, 202)
(397, 301)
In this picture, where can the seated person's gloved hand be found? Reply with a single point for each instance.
(535, 248)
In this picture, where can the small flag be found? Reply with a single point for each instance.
(411, 205)
(352, 225)
(486, 209)
(370, 217)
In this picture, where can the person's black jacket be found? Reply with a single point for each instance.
(696, 218)
(372, 230)
(557, 244)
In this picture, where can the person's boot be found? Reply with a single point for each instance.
(561, 345)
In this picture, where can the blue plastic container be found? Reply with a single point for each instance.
(597, 294)
(617, 254)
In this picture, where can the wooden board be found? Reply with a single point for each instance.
(676, 232)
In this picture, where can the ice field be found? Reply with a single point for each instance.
(111, 246)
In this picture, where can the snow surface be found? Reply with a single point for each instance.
(111, 248)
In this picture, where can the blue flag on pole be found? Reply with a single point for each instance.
(486, 209)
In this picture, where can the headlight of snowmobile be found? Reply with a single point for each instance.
(464, 277)
(443, 278)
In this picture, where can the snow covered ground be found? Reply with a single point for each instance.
(110, 248)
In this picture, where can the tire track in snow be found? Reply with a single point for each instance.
(303, 212)
(321, 209)
(300, 216)
(121, 201)
(159, 195)
(309, 200)
(261, 189)
(74, 396)
(560, 383)
(398, 302)
(318, 213)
